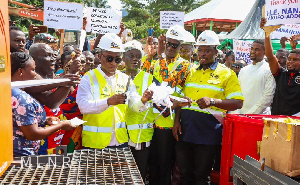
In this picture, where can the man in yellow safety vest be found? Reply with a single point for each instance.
(104, 96)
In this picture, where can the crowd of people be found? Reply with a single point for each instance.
(108, 88)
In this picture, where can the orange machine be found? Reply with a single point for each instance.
(6, 138)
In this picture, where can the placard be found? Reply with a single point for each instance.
(171, 18)
(242, 49)
(286, 31)
(63, 15)
(103, 20)
(279, 12)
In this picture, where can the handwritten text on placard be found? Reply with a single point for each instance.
(170, 18)
(63, 15)
(102, 20)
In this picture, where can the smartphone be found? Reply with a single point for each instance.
(40, 29)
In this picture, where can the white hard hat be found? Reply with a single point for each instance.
(176, 32)
(111, 42)
(189, 38)
(134, 44)
(208, 38)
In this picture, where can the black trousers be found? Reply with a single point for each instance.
(195, 162)
(141, 158)
(162, 157)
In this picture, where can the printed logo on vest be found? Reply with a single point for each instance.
(297, 80)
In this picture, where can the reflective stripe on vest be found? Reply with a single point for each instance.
(210, 87)
(138, 126)
(96, 129)
(145, 82)
(96, 87)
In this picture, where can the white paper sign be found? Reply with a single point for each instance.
(63, 15)
(286, 31)
(170, 18)
(103, 20)
(242, 49)
(280, 12)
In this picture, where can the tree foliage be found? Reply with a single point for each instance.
(146, 13)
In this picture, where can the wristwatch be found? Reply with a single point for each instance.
(212, 102)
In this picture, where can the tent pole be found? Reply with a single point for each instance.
(236, 24)
(211, 25)
(194, 29)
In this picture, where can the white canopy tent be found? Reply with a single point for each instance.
(218, 15)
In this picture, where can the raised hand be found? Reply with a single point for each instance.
(161, 44)
(151, 48)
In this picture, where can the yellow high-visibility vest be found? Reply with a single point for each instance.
(97, 131)
(134, 120)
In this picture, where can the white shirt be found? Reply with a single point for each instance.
(88, 105)
(258, 87)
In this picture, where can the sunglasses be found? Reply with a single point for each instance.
(110, 59)
(237, 65)
(174, 46)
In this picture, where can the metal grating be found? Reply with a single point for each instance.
(35, 175)
(108, 166)
(88, 166)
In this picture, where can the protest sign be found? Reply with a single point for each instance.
(103, 20)
(170, 18)
(63, 15)
(242, 49)
(286, 31)
(280, 12)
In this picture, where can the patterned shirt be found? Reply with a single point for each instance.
(26, 111)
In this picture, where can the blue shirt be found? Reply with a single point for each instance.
(150, 31)
(26, 111)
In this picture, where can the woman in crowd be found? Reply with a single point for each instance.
(29, 117)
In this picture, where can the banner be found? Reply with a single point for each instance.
(286, 31)
(103, 20)
(170, 18)
(242, 49)
(63, 15)
(28, 13)
(280, 12)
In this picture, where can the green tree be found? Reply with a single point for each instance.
(143, 14)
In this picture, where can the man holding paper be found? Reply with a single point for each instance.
(286, 98)
(214, 90)
(102, 96)
(173, 69)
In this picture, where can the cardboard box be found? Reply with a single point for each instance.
(280, 145)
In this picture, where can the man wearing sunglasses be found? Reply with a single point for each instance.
(102, 98)
(171, 68)
(238, 65)
(214, 89)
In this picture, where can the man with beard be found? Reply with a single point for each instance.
(257, 83)
(17, 39)
(286, 99)
(214, 89)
